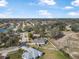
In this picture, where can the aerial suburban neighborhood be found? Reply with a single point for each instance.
(39, 29)
(34, 39)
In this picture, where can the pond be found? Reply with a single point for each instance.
(3, 30)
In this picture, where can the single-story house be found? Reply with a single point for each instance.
(40, 41)
(2, 57)
(31, 53)
(36, 35)
(68, 27)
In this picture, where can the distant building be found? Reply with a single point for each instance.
(24, 37)
(36, 35)
(68, 27)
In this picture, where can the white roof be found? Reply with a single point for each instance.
(30, 53)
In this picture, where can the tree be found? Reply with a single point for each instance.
(60, 25)
(8, 57)
(30, 35)
(75, 27)
(20, 50)
(9, 39)
(36, 28)
(55, 33)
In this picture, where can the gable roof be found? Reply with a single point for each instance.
(40, 40)
(31, 53)
(2, 57)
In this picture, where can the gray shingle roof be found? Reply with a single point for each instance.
(40, 40)
(31, 53)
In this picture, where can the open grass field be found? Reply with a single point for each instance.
(50, 53)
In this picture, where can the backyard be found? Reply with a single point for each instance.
(51, 52)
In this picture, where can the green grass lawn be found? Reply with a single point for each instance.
(53, 54)
(16, 55)
(59, 55)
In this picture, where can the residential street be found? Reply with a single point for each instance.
(5, 51)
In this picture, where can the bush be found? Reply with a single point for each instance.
(30, 35)
(66, 54)
(60, 25)
(75, 27)
(56, 33)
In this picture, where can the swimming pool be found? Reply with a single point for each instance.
(3, 30)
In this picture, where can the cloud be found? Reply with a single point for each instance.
(75, 3)
(47, 2)
(7, 14)
(3, 3)
(68, 7)
(3, 15)
(10, 14)
(74, 13)
(45, 13)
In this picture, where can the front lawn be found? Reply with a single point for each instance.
(16, 55)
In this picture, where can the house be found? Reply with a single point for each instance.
(31, 53)
(36, 35)
(2, 57)
(24, 37)
(68, 27)
(40, 41)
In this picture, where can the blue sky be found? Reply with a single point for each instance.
(39, 8)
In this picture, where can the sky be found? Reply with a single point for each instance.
(39, 8)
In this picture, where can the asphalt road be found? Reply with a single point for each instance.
(5, 51)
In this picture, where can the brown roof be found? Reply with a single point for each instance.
(2, 57)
